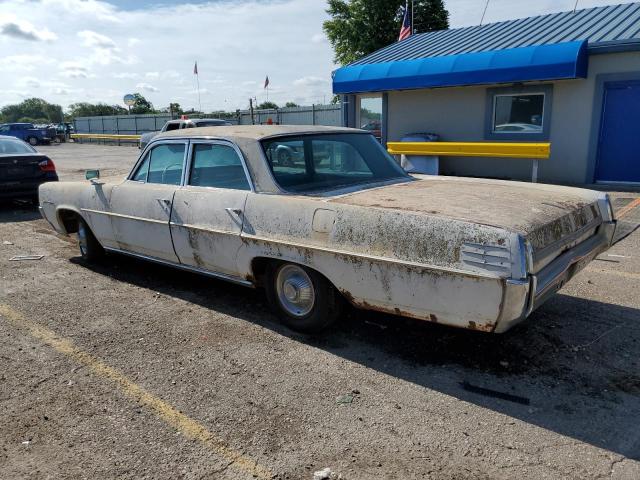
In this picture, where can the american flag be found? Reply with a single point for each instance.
(266, 81)
(195, 68)
(405, 30)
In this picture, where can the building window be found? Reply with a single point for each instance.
(370, 114)
(518, 113)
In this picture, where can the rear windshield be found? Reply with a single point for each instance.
(9, 146)
(316, 163)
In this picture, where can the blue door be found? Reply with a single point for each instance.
(619, 142)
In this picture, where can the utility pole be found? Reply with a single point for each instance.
(251, 110)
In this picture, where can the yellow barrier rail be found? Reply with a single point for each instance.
(530, 151)
(103, 136)
(540, 151)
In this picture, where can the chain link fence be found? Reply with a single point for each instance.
(137, 124)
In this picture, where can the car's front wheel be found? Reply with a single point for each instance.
(303, 299)
(33, 141)
(90, 248)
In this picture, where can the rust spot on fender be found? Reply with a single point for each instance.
(486, 327)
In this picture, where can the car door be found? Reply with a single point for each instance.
(141, 205)
(207, 215)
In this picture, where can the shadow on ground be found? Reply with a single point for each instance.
(18, 211)
(572, 367)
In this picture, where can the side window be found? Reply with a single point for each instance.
(217, 166)
(165, 164)
(143, 169)
(172, 126)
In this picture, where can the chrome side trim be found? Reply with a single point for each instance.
(188, 268)
(204, 229)
(576, 238)
(331, 251)
(129, 217)
(562, 269)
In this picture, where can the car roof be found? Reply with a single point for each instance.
(255, 132)
(11, 137)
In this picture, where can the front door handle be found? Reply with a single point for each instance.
(235, 211)
(166, 201)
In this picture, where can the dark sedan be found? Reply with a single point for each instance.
(23, 169)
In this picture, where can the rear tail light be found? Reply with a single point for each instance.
(47, 165)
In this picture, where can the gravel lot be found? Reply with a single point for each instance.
(132, 370)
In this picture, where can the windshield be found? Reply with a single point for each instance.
(315, 163)
(211, 123)
(10, 146)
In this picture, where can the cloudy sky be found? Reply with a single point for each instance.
(68, 51)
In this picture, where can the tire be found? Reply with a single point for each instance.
(90, 248)
(287, 285)
(33, 141)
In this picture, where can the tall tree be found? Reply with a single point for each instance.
(141, 105)
(84, 109)
(267, 106)
(34, 108)
(359, 27)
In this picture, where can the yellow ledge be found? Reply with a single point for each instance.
(472, 149)
(100, 136)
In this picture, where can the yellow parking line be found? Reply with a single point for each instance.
(169, 414)
(628, 208)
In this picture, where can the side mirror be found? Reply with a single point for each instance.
(92, 174)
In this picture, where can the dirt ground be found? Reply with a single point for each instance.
(133, 370)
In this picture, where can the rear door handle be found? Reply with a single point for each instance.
(166, 201)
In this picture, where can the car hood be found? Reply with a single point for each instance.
(541, 213)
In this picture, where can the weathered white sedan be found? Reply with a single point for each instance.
(339, 221)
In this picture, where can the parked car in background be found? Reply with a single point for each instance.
(23, 169)
(518, 127)
(375, 127)
(347, 224)
(183, 123)
(27, 132)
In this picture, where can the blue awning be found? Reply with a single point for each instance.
(541, 62)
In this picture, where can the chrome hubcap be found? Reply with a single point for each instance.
(82, 239)
(295, 290)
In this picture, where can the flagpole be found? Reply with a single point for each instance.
(413, 28)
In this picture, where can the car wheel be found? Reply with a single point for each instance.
(33, 141)
(284, 158)
(90, 248)
(303, 299)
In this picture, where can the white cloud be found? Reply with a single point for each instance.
(147, 87)
(311, 81)
(12, 27)
(319, 38)
(132, 42)
(25, 63)
(153, 75)
(128, 75)
(97, 40)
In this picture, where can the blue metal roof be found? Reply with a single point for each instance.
(604, 28)
(541, 62)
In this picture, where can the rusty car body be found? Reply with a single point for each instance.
(471, 253)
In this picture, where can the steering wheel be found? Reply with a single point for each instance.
(164, 172)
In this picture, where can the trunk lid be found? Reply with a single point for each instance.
(21, 167)
(552, 218)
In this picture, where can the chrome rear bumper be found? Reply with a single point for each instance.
(523, 296)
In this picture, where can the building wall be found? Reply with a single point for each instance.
(458, 114)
